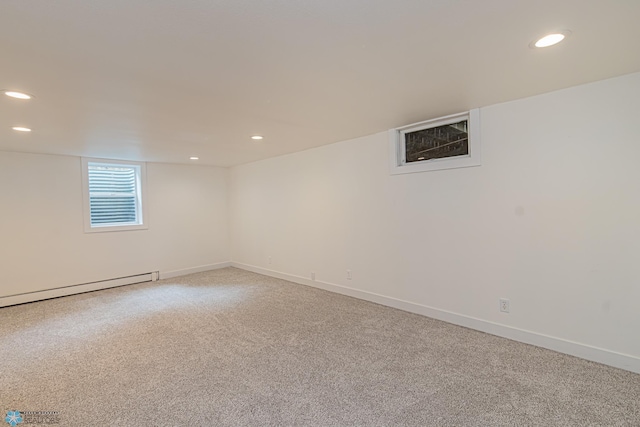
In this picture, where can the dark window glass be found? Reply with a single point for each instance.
(438, 142)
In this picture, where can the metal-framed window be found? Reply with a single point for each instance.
(113, 195)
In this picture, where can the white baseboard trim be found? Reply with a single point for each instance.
(74, 289)
(176, 273)
(103, 284)
(583, 351)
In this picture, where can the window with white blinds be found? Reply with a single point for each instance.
(113, 194)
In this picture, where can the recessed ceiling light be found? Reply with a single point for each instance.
(21, 129)
(550, 39)
(193, 158)
(256, 137)
(18, 95)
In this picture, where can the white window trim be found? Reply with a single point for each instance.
(142, 197)
(397, 147)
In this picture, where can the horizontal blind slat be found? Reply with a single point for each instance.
(112, 195)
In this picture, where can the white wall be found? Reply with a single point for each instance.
(550, 220)
(42, 240)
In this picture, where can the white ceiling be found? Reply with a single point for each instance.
(162, 80)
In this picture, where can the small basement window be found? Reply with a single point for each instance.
(113, 195)
(444, 143)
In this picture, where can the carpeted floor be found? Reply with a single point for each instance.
(230, 347)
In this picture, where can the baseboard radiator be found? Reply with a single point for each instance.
(77, 289)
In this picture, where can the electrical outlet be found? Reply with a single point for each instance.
(313, 275)
(349, 274)
(269, 260)
(504, 305)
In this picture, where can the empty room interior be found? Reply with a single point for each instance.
(323, 213)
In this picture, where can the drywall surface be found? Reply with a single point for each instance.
(549, 220)
(42, 240)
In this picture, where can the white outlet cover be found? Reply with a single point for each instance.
(504, 305)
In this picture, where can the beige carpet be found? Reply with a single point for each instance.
(229, 347)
